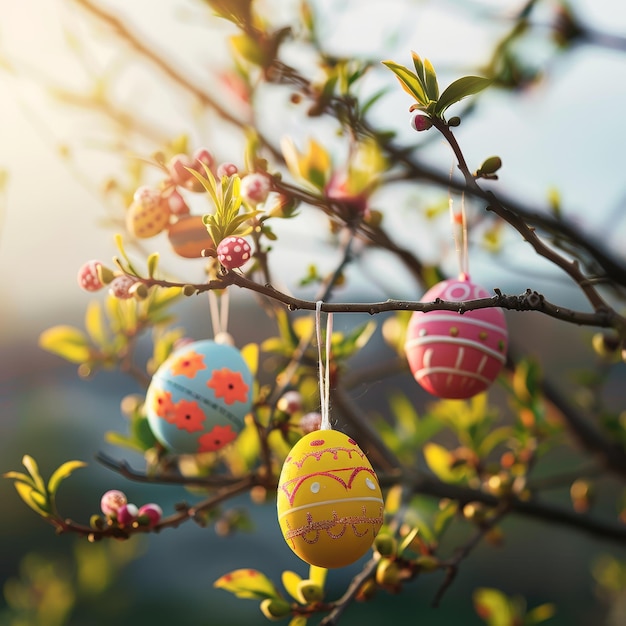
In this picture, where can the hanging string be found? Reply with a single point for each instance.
(324, 365)
(219, 314)
(459, 233)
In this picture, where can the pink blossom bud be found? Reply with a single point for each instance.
(310, 422)
(421, 122)
(151, 512)
(226, 169)
(203, 156)
(126, 514)
(290, 402)
(255, 188)
(178, 168)
(120, 287)
(111, 501)
(354, 203)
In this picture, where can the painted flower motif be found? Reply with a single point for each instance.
(228, 385)
(163, 405)
(188, 416)
(188, 364)
(216, 438)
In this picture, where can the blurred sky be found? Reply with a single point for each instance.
(558, 135)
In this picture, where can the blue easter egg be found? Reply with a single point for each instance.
(198, 398)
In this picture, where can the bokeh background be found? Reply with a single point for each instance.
(565, 132)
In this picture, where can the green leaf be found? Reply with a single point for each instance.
(540, 613)
(67, 342)
(21, 477)
(458, 90)
(33, 469)
(298, 620)
(430, 81)
(61, 473)
(409, 81)
(440, 461)
(153, 261)
(94, 323)
(247, 583)
(290, 581)
(493, 607)
(33, 498)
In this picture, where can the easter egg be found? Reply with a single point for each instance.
(188, 236)
(146, 219)
(453, 355)
(329, 503)
(198, 398)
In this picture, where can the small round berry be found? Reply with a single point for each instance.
(111, 501)
(127, 514)
(226, 169)
(151, 512)
(290, 402)
(233, 252)
(255, 188)
(88, 276)
(120, 287)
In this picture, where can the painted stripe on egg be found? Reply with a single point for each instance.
(420, 341)
(453, 318)
(324, 502)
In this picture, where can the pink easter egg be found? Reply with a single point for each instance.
(454, 355)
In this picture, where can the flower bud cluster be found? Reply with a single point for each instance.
(116, 508)
(94, 275)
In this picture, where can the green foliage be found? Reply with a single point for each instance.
(226, 197)
(254, 585)
(34, 491)
(499, 610)
(422, 85)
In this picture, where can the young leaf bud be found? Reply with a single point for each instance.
(385, 544)
(309, 591)
(275, 608)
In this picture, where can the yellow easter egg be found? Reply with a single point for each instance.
(330, 507)
(147, 219)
